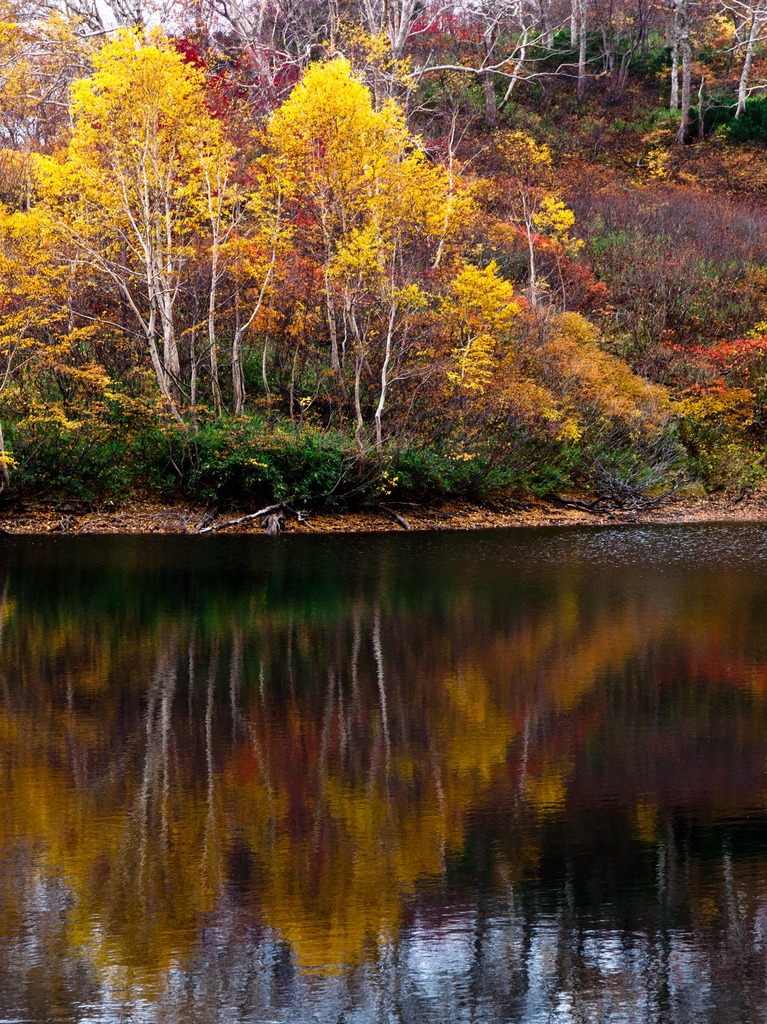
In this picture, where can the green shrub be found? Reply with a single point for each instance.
(751, 126)
(235, 460)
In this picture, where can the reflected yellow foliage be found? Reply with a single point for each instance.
(546, 791)
(647, 818)
(343, 791)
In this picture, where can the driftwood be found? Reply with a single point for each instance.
(400, 519)
(747, 489)
(611, 502)
(261, 514)
(206, 518)
(274, 522)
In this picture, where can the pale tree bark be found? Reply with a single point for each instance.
(701, 119)
(385, 378)
(212, 340)
(528, 214)
(546, 23)
(491, 102)
(240, 330)
(674, 99)
(223, 217)
(238, 374)
(518, 65)
(683, 21)
(395, 17)
(583, 13)
(359, 365)
(216, 177)
(94, 253)
(755, 28)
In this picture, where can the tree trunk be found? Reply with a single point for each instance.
(384, 381)
(238, 376)
(193, 380)
(359, 345)
(674, 100)
(701, 119)
(335, 362)
(583, 10)
(684, 40)
(491, 105)
(753, 35)
(547, 26)
(522, 53)
(162, 374)
(212, 343)
(264, 378)
(360, 362)
(529, 228)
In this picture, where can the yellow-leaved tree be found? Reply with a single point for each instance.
(481, 309)
(32, 307)
(144, 184)
(372, 212)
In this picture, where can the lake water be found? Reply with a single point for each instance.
(501, 776)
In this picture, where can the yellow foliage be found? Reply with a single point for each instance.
(481, 309)
(142, 133)
(358, 172)
(370, 54)
(589, 382)
(554, 219)
(525, 398)
(658, 162)
(32, 284)
(570, 432)
(523, 154)
(729, 405)
(547, 789)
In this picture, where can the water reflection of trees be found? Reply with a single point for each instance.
(485, 800)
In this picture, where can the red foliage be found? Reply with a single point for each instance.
(733, 362)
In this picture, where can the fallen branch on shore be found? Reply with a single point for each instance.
(395, 515)
(616, 503)
(746, 490)
(270, 511)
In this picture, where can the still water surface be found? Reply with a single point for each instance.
(505, 776)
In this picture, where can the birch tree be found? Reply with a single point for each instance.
(682, 45)
(750, 16)
(135, 186)
(371, 212)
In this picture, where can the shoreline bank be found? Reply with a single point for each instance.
(74, 518)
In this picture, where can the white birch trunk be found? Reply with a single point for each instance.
(674, 100)
(684, 42)
(582, 41)
(754, 32)
(384, 379)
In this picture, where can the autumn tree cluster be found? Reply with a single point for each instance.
(316, 251)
